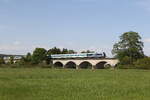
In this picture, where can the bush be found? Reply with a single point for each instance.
(129, 66)
(143, 63)
(2, 61)
(126, 61)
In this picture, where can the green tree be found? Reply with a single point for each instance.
(88, 51)
(39, 55)
(2, 61)
(126, 61)
(54, 50)
(130, 45)
(143, 63)
(71, 52)
(22, 61)
(11, 60)
(28, 57)
(64, 51)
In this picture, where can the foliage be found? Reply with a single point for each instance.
(128, 66)
(22, 61)
(28, 57)
(71, 52)
(64, 51)
(130, 45)
(2, 61)
(126, 60)
(39, 55)
(48, 60)
(88, 51)
(56, 50)
(143, 63)
(11, 60)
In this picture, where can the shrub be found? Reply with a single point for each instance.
(143, 63)
(129, 66)
(126, 61)
(2, 61)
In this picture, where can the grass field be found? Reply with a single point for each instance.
(50, 84)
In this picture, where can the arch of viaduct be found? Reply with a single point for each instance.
(84, 63)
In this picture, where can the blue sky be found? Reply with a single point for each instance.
(73, 24)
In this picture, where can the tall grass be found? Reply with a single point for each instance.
(65, 84)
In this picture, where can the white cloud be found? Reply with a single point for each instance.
(147, 51)
(147, 46)
(147, 40)
(15, 47)
(17, 43)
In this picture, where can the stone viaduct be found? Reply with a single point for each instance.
(85, 63)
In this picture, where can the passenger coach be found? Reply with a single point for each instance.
(80, 55)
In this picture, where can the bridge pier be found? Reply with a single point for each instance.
(77, 67)
(63, 66)
(93, 67)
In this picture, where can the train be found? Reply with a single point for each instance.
(79, 55)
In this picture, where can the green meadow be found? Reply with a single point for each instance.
(65, 84)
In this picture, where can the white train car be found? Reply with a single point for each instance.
(69, 56)
(80, 55)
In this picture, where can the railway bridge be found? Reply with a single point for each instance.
(82, 63)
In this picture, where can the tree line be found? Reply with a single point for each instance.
(41, 56)
(128, 50)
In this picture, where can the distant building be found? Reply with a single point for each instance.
(16, 59)
(6, 59)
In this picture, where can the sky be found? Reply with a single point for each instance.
(73, 24)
